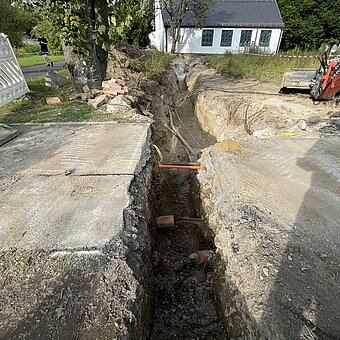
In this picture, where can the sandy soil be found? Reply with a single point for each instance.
(270, 191)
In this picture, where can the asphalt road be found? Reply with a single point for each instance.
(40, 70)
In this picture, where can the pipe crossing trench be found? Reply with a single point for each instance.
(183, 254)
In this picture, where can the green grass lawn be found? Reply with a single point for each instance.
(35, 110)
(263, 68)
(32, 60)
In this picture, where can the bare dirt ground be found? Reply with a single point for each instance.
(270, 191)
(264, 212)
(184, 297)
(270, 195)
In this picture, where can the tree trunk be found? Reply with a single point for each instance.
(92, 68)
(175, 38)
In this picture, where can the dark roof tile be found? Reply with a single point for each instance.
(237, 13)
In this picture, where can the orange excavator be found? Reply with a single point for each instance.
(326, 83)
(323, 84)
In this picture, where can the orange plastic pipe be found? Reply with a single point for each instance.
(172, 166)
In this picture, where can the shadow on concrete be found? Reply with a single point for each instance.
(304, 301)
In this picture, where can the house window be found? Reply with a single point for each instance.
(265, 38)
(245, 38)
(226, 38)
(207, 37)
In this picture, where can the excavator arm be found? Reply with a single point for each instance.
(326, 83)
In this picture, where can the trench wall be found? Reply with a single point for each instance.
(258, 197)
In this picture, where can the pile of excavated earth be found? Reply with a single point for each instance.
(252, 250)
(270, 189)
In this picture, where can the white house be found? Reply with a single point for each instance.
(230, 26)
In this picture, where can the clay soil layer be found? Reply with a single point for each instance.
(270, 189)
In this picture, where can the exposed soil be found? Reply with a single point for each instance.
(184, 297)
(248, 258)
(270, 190)
(255, 196)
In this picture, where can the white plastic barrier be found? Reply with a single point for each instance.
(12, 81)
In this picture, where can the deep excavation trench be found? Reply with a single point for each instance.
(183, 256)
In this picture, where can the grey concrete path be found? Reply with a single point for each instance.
(40, 70)
(66, 186)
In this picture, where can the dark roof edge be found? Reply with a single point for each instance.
(234, 25)
(278, 9)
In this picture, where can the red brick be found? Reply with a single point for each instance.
(121, 82)
(98, 101)
(106, 84)
(54, 100)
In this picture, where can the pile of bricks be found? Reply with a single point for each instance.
(96, 98)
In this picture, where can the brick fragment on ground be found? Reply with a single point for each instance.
(86, 89)
(106, 84)
(115, 86)
(86, 96)
(98, 101)
(54, 100)
(121, 82)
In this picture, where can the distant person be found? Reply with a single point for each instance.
(44, 49)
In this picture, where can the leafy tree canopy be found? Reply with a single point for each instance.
(15, 21)
(310, 24)
(108, 21)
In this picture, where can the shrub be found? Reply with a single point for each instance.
(31, 49)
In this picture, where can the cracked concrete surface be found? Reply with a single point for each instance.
(75, 245)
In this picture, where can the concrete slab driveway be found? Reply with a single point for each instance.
(66, 187)
(74, 240)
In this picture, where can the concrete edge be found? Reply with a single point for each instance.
(9, 137)
(137, 241)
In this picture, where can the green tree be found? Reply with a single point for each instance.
(177, 11)
(309, 23)
(131, 22)
(46, 27)
(82, 27)
(88, 27)
(15, 21)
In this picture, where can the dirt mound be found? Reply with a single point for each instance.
(228, 106)
(273, 207)
(272, 204)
